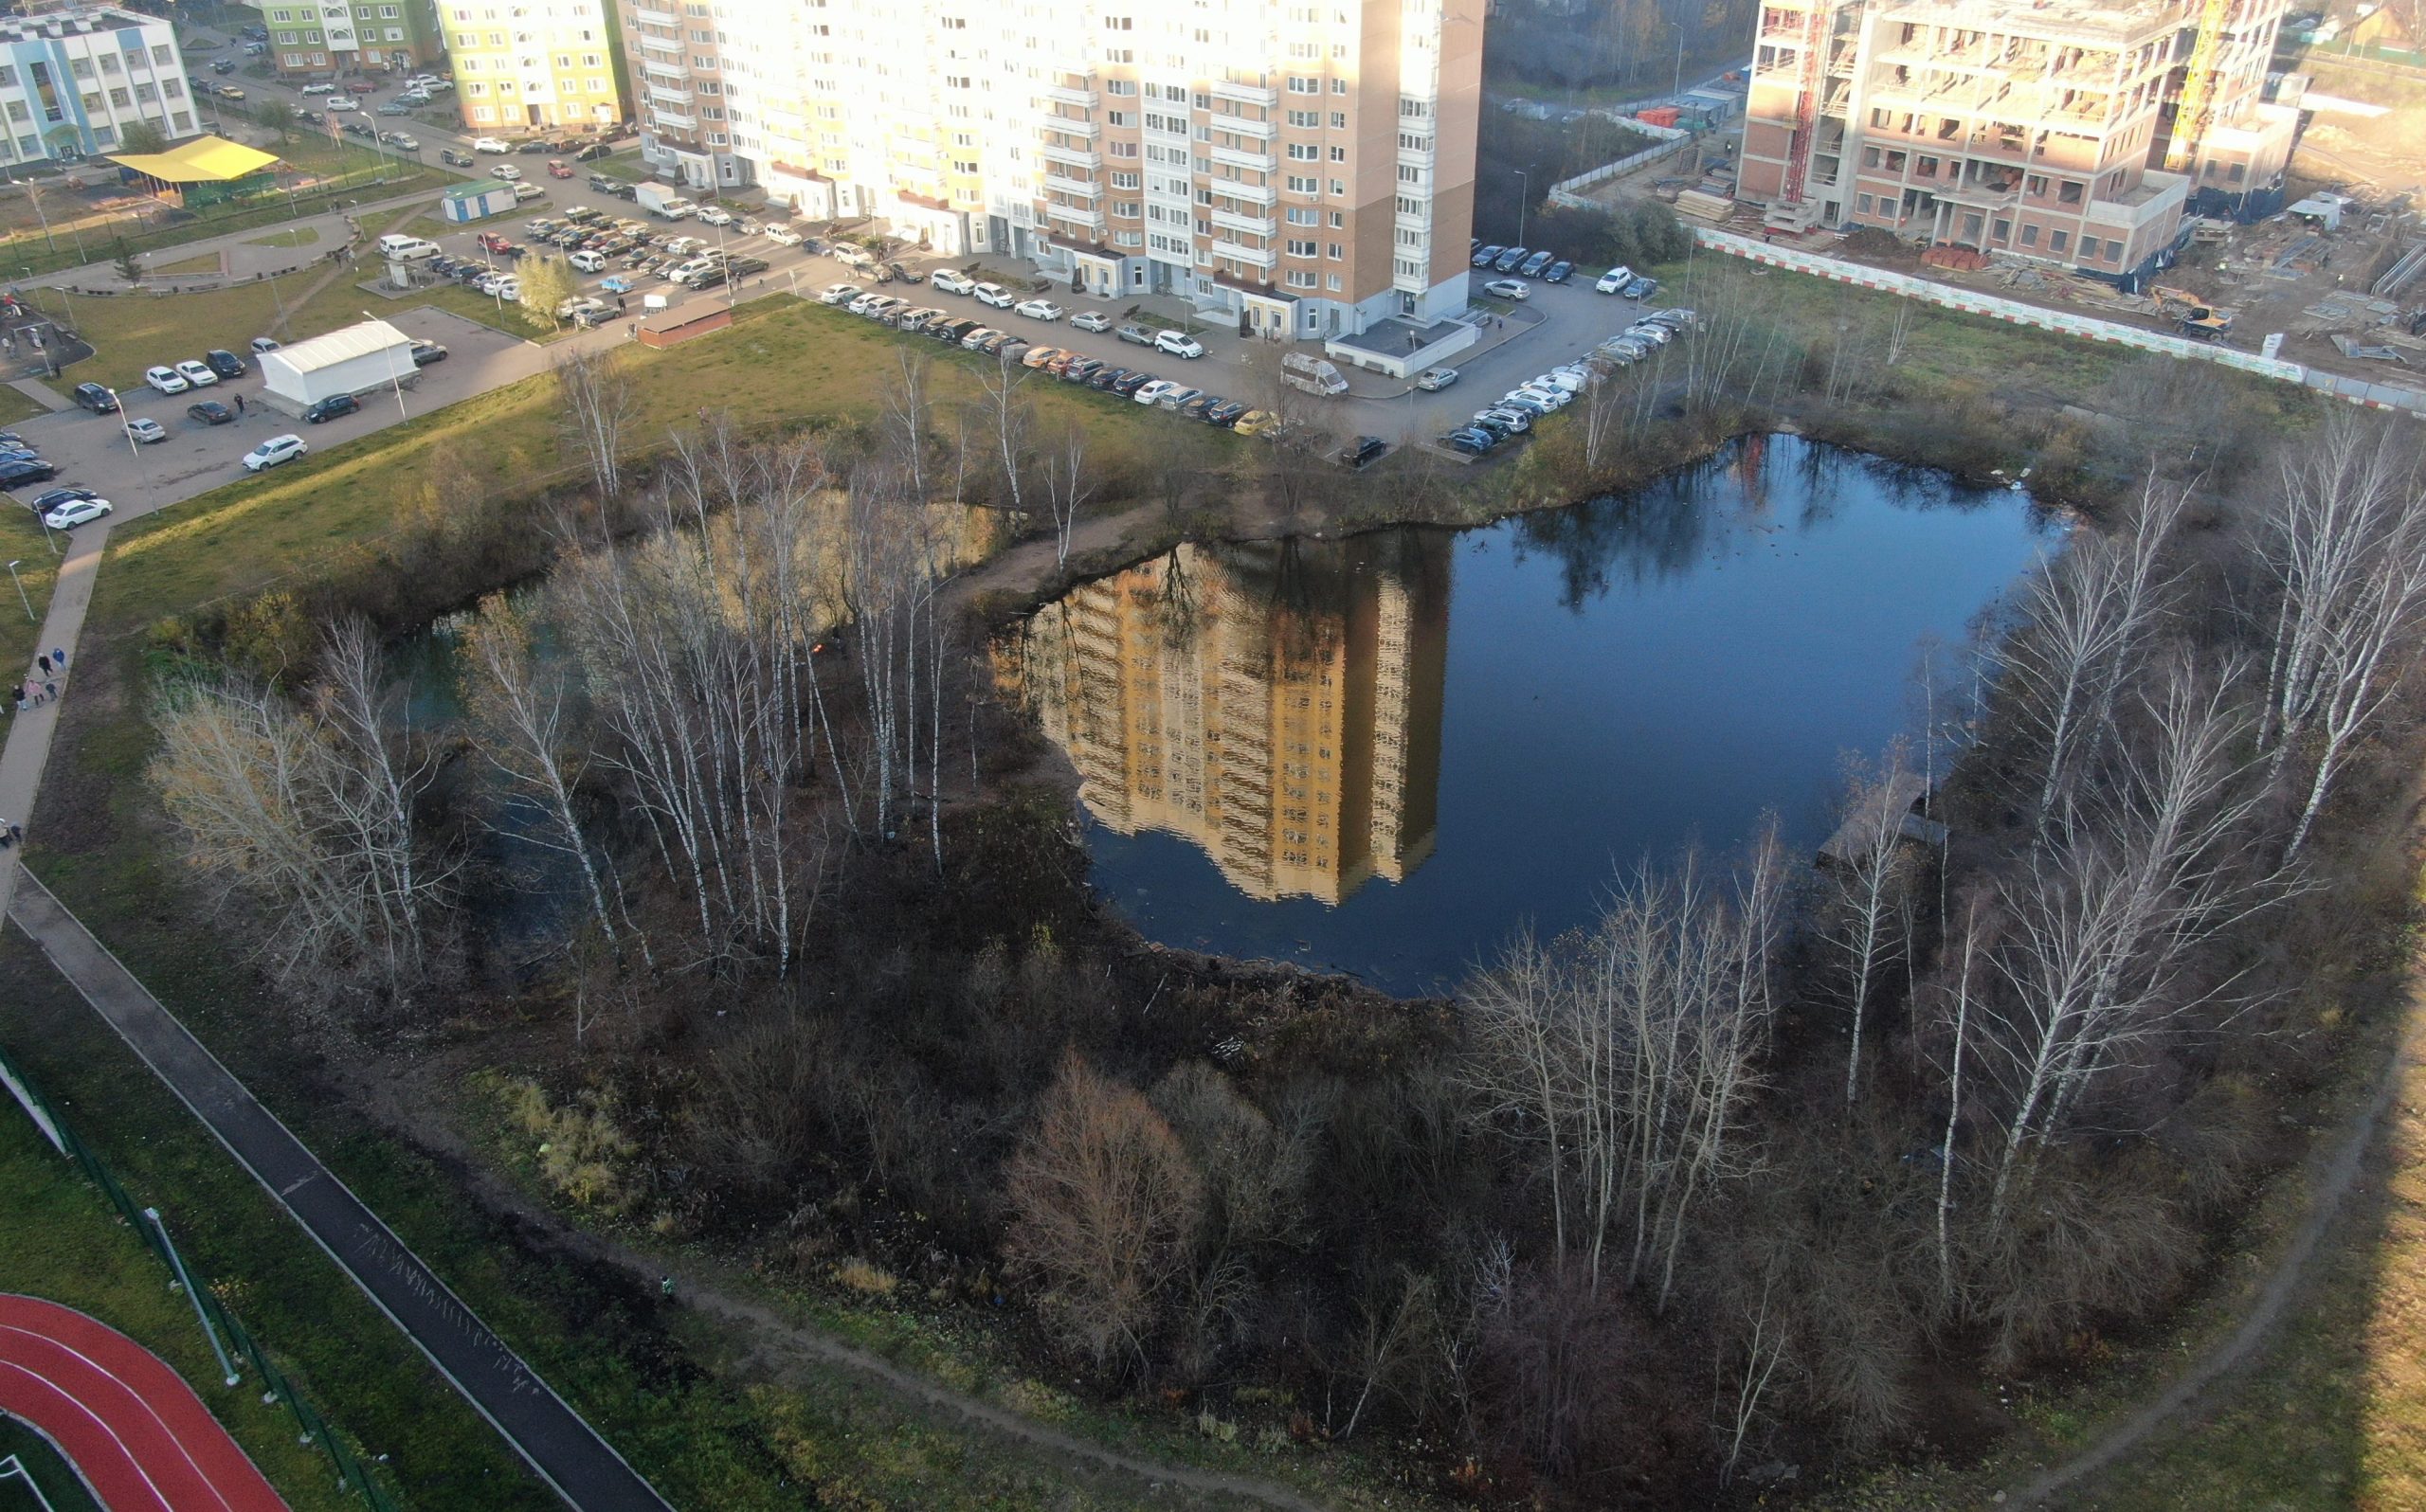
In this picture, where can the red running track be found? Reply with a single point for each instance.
(132, 1427)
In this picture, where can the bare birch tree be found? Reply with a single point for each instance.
(908, 412)
(1068, 485)
(597, 405)
(1003, 415)
(1865, 881)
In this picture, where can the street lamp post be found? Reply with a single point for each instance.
(21, 589)
(394, 378)
(1677, 85)
(1523, 192)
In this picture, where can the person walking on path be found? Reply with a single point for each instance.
(239, 404)
(49, 689)
(44, 663)
(59, 659)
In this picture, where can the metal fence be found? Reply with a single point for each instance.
(276, 1387)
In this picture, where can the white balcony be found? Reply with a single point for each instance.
(657, 18)
(1249, 224)
(1252, 256)
(1082, 99)
(667, 44)
(667, 94)
(1084, 130)
(1245, 94)
(1062, 183)
(1263, 130)
(678, 120)
(1088, 221)
(1072, 156)
(1258, 162)
(1263, 194)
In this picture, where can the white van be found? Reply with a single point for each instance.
(406, 248)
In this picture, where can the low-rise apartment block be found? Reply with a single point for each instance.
(534, 65)
(317, 38)
(2075, 132)
(1305, 169)
(71, 81)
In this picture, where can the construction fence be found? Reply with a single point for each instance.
(1567, 193)
(2357, 390)
(275, 1386)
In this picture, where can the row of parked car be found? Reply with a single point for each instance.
(1514, 412)
(973, 335)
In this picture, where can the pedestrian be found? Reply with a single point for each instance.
(44, 663)
(50, 690)
(5, 829)
(239, 404)
(633, 331)
(17, 833)
(59, 659)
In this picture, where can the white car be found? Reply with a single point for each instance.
(1508, 288)
(1038, 310)
(714, 215)
(994, 295)
(1176, 395)
(343, 103)
(1091, 321)
(274, 451)
(319, 89)
(1153, 393)
(950, 282)
(781, 235)
(588, 262)
(197, 374)
(1179, 344)
(499, 285)
(839, 293)
(76, 512)
(527, 191)
(1616, 279)
(146, 431)
(489, 144)
(165, 379)
(506, 171)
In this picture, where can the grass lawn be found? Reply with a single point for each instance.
(292, 236)
(56, 1481)
(207, 262)
(15, 406)
(60, 1240)
(22, 542)
(785, 361)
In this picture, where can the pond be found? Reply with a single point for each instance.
(1380, 755)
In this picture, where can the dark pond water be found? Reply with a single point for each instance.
(1380, 755)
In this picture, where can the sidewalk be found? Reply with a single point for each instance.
(565, 1451)
(29, 734)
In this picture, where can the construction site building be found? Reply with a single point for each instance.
(2045, 130)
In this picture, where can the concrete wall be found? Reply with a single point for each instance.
(2357, 390)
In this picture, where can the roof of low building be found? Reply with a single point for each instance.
(204, 160)
(358, 340)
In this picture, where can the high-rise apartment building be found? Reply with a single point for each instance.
(532, 64)
(1277, 704)
(71, 81)
(1304, 169)
(322, 37)
(2071, 131)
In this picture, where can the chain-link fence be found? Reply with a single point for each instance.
(275, 1386)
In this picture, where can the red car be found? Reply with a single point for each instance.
(557, 169)
(360, 87)
(491, 242)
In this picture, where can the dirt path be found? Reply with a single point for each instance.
(2331, 1171)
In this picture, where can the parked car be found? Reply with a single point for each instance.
(840, 293)
(166, 380)
(1508, 288)
(588, 262)
(1432, 380)
(1640, 288)
(1176, 395)
(506, 171)
(951, 282)
(1471, 440)
(527, 191)
(995, 296)
(1361, 450)
(452, 158)
(1256, 423)
(592, 152)
(30, 470)
(1135, 335)
(330, 408)
(401, 141)
(1509, 260)
(1038, 310)
(44, 503)
(489, 144)
(1558, 272)
(1152, 393)
(1080, 370)
(78, 512)
(1127, 387)
(1484, 257)
(319, 89)
(1194, 408)
(1106, 380)
(1223, 412)
(1178, 344)
(394, 107)
(781, 235)
(97, 399)
(211, 412)
(1614, 281)
(266, 343)
(231, 91)
(1531, 267)
(1091, 321)
(426, 353)
(714, 215)
(535, 149)
(342, 105)
(225, 363)
(360, 87)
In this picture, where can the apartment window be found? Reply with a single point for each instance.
(1339, 155)
(2035, 186)
(1127, 180)
(1300, 249)
(2029, 234)
(17, 110)
(1869, 158)
(1304, 186)
(1926, 167)
(1305, 86)
(2068, 192)
(1300, 279)
(109, 62)
(2057, 241)
(1120, 148)
(1304, 153)
(7, 76)
(2089, 247)
(1339, 188)
(1116, 23)
(162, 54)
(1302, 215)
(1895, 162)
(120, 98)
(1120, 87)
(2004, 230)
(1339, 86)
(81, 67)
(1305, 118)
(1336, 252)
(1862, 204)
(1119, 117)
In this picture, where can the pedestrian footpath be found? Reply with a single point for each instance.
(553, 1439)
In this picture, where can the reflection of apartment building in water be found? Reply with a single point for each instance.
(1304, 169)
(2074, 132)
(1278, 704)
